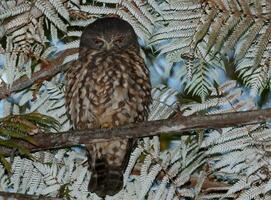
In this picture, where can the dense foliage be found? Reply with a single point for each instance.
(215, 54)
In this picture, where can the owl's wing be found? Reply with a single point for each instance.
(77, 102)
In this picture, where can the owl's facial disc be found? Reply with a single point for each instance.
(107, 34)
(109, 43)
(102, 43)
(119, 41)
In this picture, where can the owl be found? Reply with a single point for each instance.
(108, 86)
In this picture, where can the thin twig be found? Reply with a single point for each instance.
(25, 82)
(18, 196)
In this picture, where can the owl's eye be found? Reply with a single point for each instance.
(98, 42)
(118, 41)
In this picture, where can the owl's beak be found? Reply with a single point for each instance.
(108, 45)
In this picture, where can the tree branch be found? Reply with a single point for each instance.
(56, 66)
(18, 196)
(145, 129)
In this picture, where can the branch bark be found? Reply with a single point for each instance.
(145, 129)
(25, 82)
(18, 196)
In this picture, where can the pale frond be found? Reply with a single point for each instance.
(61, 9)
(201, 82)
(21, 8)
(197, 36)
(164, 103)
(51, 14)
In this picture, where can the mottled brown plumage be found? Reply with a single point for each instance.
(108, 86)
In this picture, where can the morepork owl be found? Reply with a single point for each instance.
(108, 86)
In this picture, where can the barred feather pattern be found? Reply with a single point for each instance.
(105, 89)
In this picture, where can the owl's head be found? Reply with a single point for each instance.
(109, 33)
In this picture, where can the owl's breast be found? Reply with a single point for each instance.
(108, 91)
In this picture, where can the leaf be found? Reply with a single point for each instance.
(5, 163)
(13, 145)
(17, 135)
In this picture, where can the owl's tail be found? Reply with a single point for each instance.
(108, 161)
(105, 180)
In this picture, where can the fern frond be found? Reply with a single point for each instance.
(97, 9)
(245, 7)
(253, 192)
(140, 31)
(145, 10)
(202, 29)
(164, 103)
(240, 29)
(240, 184)
(250, 37)
(133, 158)
(261, 46)
(5, 163)
(223, 27)
(172, 35)
(201, 83)
(215, 30)
(182, 5)
(49, 11)
(232, 21)
(21, 8)
(61, 9)
(138, 15)
(162, 188)
(258, 80)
